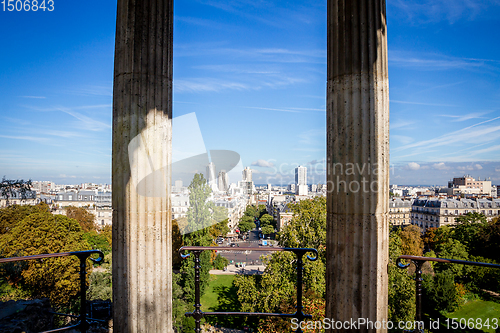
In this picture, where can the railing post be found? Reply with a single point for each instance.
(299, 314)
(83, 325)
(197, 314)
(418, 289)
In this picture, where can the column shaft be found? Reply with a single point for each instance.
(141, 171)
(358, 162)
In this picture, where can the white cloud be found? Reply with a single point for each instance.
(479, 166)
(263, 163)
(441, 166)
(413, 166)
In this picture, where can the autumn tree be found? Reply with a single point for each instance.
(10, 216)
(83, 217)
(43, 232)
(411, 241)
(435, 236)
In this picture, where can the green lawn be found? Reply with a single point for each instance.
(221, 296)
(479, 309)
(217, 287)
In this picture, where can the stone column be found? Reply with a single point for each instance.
(358, 162)
(141, 168)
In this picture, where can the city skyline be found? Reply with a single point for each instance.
(262, 96)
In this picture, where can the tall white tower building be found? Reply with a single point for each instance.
(247, 174)
(301, 180)
(223, 180)
(211, 179)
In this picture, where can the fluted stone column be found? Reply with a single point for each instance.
(141, 172)
(358, 162)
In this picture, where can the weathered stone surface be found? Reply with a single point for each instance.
(358, 162)
(141, 167)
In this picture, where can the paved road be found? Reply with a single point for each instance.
(241, 255)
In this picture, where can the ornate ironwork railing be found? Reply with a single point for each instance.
(83, 323)
(419, 262)
(197, 314)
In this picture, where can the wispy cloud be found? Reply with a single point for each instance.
(402, 138)
(431, 11)
(480, 133)
(208, 85)
(433, 61)
(422, 103)
(24, 137)
(94, 90)
(271, 109)
(400, 124)
(276, 14)
(35, 97)
(469, 116)
(312, 136)
(254, 55)
(85, 122)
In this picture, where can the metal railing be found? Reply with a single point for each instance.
(419, 262)
(83, 323)
(197, 314)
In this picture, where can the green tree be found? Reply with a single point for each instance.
(100, 286)
(489, 237)
(250, 211)
(85, 218)
(441, 291)
(267, 219)
(98, 241)
(435, 236)
(219, 214)
(199, 221)
(220, 229)
(176, 244)
(452, 249)
(246, 224)
(267, 229)
(40, 233)
(401, 284)
(220, 262)
(468, 229)
(308, 225)
(275, 290)
(261, 210)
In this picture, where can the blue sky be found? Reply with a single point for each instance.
(254, 72)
